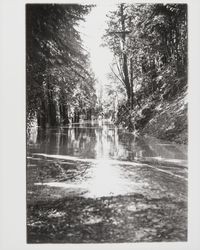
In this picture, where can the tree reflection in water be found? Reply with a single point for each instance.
(101, 179)
(99, 157)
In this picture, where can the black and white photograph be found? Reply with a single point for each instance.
(106, 122)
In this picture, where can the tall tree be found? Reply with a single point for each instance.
(56, 60)
(116, 39)
(149, 44)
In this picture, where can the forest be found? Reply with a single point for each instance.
(60, 82)
(106, 155)
(148, 76)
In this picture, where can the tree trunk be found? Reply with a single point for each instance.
(51, 111)
(64, 114)
(131, 84)
(125, 60)
(42, 115)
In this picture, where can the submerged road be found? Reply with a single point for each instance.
(89, 183)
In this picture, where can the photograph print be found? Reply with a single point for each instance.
(106, 123)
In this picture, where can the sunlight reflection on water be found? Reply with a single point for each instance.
(106, 180)
(106, 153)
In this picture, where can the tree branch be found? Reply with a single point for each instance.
(121, 80)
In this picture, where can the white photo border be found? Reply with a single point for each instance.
(13, 136)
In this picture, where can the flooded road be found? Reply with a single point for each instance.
(91, 183)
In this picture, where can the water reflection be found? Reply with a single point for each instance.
(87, 141)
(105, 152)
(106, 180)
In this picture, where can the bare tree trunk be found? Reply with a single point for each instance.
(131, 83)
(125, 61)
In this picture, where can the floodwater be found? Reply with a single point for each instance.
(96, 183)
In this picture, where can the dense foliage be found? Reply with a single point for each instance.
(149, 44)
(60, 82)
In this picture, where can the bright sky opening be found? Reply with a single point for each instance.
(92, 31)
